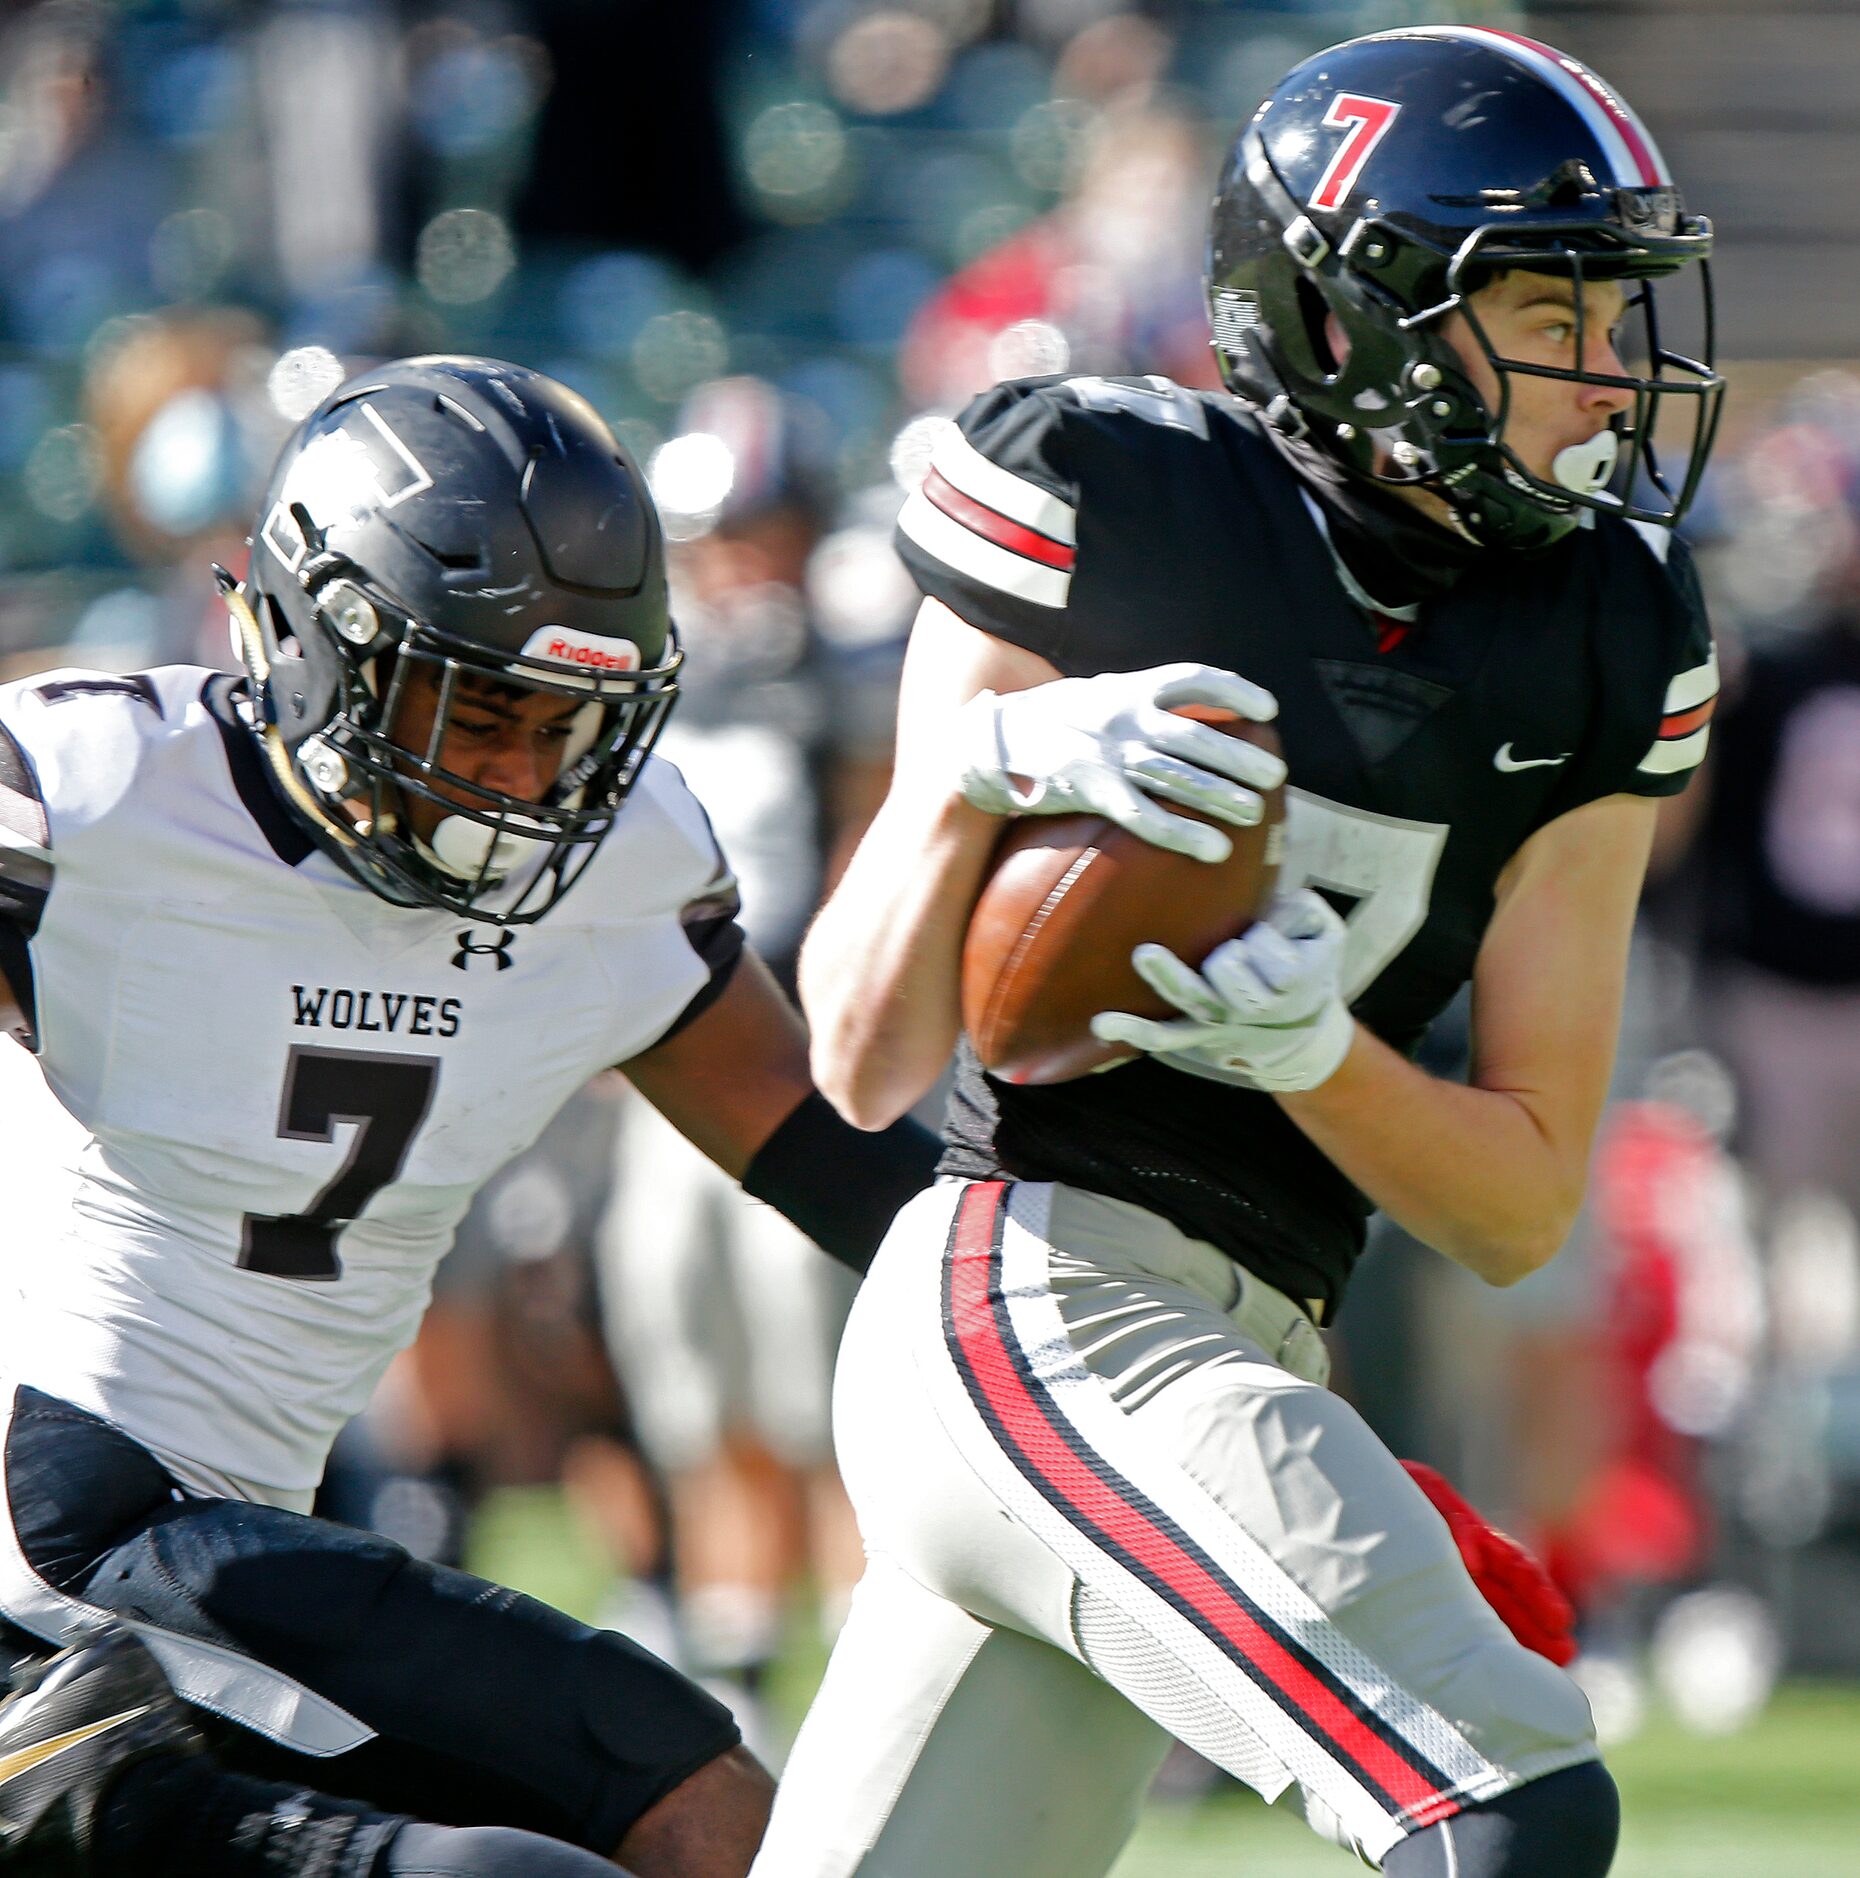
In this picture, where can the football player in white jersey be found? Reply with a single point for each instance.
(279, 942)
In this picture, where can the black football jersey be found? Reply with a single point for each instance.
(1117, 524)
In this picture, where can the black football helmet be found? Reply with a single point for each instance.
(1384, 182)
(465, 519)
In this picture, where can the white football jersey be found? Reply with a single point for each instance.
(288, 1090)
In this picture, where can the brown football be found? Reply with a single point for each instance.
(1067, 900)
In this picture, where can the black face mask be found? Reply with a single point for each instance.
(1397, 554)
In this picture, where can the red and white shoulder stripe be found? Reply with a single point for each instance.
(992, 526)
(1690, 700)
(1636, 158)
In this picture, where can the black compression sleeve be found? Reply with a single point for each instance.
(840, 1184)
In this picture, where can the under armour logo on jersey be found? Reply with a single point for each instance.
(470, 946)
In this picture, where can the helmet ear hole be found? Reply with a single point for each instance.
(1314, 315)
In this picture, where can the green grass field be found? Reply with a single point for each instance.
(1781, 1800)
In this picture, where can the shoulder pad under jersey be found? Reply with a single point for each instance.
(993, 529)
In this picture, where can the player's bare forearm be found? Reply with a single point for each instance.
(1471, 1172)
(1491, 1174)
(880, 971)
(735, 1083)
(729, 1079)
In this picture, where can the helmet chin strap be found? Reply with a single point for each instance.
(1584, 468)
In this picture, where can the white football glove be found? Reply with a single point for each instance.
(1098, 744)
(1265, 1008)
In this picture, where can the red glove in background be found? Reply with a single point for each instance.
(1510, 1580)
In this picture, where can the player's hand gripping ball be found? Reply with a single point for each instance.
(1265, 1010)
(1071, 897)
(1516, 1586)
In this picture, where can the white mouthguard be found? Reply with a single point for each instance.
(466, 849)
(1584, 468)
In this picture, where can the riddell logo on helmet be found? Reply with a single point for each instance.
(590, 651)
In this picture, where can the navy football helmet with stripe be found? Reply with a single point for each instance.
(1382, 183)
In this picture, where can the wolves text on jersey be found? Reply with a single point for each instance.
(336, 1007)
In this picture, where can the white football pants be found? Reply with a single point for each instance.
(1107, 1499)
(718, 1313)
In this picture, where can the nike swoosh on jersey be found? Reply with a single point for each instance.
(1506, 761)
(23, 1760)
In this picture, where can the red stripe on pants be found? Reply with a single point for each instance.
(1097, 1505)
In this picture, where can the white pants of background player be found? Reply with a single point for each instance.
(719, 1313)
(723, 1322)
(1106, 1499)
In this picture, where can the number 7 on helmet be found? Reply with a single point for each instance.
(1369, 121)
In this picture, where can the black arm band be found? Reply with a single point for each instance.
(840, 1184)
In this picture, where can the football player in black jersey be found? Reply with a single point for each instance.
(1080, 1405)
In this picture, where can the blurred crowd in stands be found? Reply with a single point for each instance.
(778, 243)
